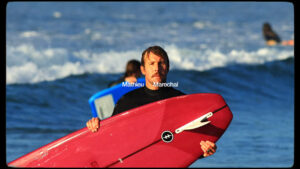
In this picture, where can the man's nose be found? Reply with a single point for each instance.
(156, 67)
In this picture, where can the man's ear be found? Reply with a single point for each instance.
(143, 70)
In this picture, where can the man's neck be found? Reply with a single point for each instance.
(151, 86)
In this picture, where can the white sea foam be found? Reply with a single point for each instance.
(56, 14)
(27, 64)
(200, 60)
(199, 25)
(29, 34)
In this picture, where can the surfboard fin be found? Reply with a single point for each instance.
(199, 122)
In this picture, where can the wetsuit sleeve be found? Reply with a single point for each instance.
(124, 104)
(181, 93)
(177, 93)
(138, 98)
(118, 108)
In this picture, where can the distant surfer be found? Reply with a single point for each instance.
(155, 67)
(131, 74)
(272, 38)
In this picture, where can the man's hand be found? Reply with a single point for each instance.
(93, 124)
(208, 147)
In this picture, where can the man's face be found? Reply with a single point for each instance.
(154, 69)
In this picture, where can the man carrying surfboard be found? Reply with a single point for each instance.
(155, 67)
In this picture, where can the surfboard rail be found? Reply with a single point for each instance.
(141, 137)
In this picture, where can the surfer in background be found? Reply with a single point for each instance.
(272, 38)
(131, 74)
(155, 67)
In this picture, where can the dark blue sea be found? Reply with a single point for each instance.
(58, 54)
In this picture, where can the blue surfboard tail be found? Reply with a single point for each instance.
(103, 102)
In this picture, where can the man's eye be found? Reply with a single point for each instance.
(162, 63)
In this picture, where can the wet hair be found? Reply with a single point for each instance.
(157, 50)
(133, 68)
(267, 27)
(269, 34)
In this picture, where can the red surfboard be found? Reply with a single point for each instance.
(165, 133)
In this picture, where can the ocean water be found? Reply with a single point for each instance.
(58, 54)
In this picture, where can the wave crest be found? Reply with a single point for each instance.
(27, 64)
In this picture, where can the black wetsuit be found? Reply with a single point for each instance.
(142, 96)
(272, 36)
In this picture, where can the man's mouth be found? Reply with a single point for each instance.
(156, 75)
